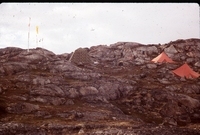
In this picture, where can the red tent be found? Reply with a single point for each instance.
(162, 58)
(186, 71)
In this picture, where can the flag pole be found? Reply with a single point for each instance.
(36, 35)
(36, 41)
(29, 32)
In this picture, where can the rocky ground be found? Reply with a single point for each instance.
(120, 92)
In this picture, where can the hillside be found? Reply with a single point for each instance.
(104, 89)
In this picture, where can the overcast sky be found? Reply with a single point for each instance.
(65, 27)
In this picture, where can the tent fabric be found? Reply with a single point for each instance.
(186, 71)
(162, 58)
(80, 55)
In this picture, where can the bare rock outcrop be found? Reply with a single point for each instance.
(117, 90)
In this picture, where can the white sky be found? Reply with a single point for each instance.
(65, 27)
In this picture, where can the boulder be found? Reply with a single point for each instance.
(109, 90)
(188, 101)
(57, 101)
(47, 90)
(89, 90)
(20, 108)
(73, 93)
(170, 109)
(190, 60)
(151, 50)
(197, 64)
(151, 66)
(41, 81)
(171, 49)
(11, 68)
(127, 54)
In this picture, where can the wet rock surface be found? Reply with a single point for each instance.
(119, 91)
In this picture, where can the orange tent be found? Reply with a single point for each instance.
(162, 58)
(186, 71)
